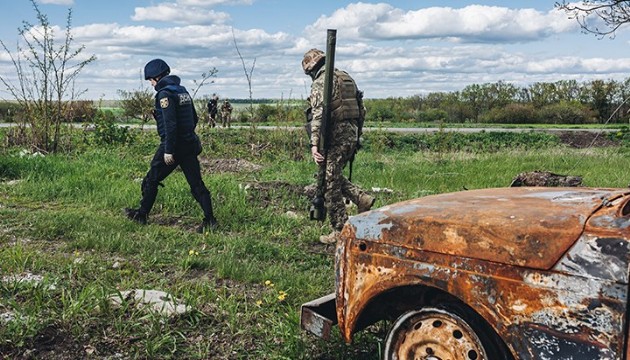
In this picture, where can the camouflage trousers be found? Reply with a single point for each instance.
(226, 119)
(338, 186)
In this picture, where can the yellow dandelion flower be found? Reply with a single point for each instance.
(191, 252)
(258, 302)
(281, 297)
(268, 283)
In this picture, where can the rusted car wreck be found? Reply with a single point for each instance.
(508, 273)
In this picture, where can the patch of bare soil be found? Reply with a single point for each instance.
(228, 165)
(585, 139)
(51, 343)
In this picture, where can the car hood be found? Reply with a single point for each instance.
(523, 226)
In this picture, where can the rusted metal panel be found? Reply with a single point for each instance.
(530, 227)
(319, 316)
(546, 268)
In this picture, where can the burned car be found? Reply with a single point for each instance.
(507, 273)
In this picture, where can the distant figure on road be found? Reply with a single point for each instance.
(346, 111)
(213, 108)
(226, 113)
(176, 120)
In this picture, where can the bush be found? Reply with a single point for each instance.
(512, 114)
(8, 110)
(106, 132)
(79, 111)
(622, 135)
(264, 113)
(567, 112)
(431, 115)
(380, 112)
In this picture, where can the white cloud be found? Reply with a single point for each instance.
(474, 23)
(390, 51)
(179, 14)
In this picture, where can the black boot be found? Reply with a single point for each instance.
(207, 225)
(136, 215)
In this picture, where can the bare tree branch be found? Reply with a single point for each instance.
(612, 13)
(248, 75)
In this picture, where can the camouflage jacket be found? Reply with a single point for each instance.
(343, 130)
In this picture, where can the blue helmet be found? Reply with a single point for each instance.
(156, 68)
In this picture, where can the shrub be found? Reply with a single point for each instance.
(106, 132)
(8, 110)
(264, 112)
(431, 115)
(512, 114)
(567, 112)
(380, 112)
(79, 111)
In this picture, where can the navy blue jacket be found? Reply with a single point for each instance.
(175, 115)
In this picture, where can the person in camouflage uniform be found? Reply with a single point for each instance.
(346, 110)
(226, 113)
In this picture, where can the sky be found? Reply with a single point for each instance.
(396, 48)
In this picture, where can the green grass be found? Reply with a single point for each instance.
(61, 218)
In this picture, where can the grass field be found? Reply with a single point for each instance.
(61, 222)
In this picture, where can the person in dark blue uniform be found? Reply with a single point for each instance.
(179, 144)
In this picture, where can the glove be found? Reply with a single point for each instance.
(169, 159)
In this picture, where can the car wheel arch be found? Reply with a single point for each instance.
(392, 303)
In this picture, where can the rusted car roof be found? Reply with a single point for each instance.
(527, 226)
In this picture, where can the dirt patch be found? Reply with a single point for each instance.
(228, 165)
(50, 343)
(585, 139)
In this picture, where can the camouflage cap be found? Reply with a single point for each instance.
(311, 59)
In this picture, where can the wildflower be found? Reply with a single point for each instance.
(258, 302)
(282, 296)
(268, 283)
(191, 252)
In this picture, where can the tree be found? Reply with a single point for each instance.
(138, 103)
(46, 76)
(248, 75)
(613, 14)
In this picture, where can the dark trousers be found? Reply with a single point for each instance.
(189, 164)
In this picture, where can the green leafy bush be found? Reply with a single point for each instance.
(8, 110)
(567, 112)
(107, 132)
(79, 111)
(431, 115)
(512, 114)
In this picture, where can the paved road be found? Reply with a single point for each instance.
(396, 129)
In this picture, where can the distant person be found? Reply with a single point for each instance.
(346, 111)
(226, 113)
(176, 120)
(213, 108)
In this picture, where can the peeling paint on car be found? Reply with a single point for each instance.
(547, 269)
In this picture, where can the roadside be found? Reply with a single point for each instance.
(574, 137)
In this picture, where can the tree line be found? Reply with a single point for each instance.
(560, 102)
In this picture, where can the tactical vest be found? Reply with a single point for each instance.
(345, 105)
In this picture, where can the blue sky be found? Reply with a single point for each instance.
(392, 48)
